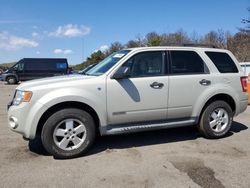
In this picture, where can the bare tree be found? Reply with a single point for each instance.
(247, 23)
(177, 38)
(239, 44)
(153, 39)
(114, 47)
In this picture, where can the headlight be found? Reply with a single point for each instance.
(22, 96)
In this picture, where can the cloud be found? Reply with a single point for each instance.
(34, 34)
(34, 27)
(61, 51)
(102, 48)
(58, 51)
(38, 52)
(71, 30)
(67, 51)
(12, 42)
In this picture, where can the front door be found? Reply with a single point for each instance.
(144, 95)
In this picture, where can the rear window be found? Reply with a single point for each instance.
(223, 62)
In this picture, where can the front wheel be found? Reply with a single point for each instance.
(11, 80)
(68, 133)
(216, 120)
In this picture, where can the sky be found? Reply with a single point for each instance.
(75, 29)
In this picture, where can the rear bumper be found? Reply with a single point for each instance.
(242, 107)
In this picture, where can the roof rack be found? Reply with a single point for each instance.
(200, 45)
(193, 45)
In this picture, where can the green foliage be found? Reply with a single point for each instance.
(153, 39)
(94, 58)
(5, 66)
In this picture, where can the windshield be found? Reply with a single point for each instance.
(107, 63)
(87, 68)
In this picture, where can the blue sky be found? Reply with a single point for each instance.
(74, 29)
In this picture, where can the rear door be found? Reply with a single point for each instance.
(143, 96)
(188, 78)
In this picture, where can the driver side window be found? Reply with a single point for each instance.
(19, 67)
(146, 64)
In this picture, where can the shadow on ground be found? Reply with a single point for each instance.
(141, 139)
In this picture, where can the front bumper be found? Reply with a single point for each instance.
(24, 118)
(2, 77)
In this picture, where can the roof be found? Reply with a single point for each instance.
(44, 59)
(245, 63)
(178, 47)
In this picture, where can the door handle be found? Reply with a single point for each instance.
(205, 82)
(156, 85)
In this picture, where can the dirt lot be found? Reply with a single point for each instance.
(169, 158)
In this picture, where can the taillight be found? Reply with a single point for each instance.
(243, 80)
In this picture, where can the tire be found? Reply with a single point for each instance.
(59, 134)
(11, 80)
(216, 120)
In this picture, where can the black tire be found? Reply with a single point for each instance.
(49, 140)
(11, 80)
(206, 118)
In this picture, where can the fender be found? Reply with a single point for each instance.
(6, 75)
(95, 101)
(209, 93)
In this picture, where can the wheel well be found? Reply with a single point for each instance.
(223, 97)
(11, 76)
(69, 104)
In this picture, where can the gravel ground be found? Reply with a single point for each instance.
(167, 158)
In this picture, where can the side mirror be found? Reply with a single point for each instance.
(121, 73)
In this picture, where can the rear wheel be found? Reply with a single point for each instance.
(11, 80)
(216, 120)
(68, 133)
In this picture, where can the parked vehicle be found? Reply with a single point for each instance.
(34, 68)
(138, 89)
(1, 72)
(86, 69)
(246, 69)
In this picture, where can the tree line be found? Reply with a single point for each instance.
(238, 43)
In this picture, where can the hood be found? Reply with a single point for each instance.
(55, 81)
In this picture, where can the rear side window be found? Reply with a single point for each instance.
(45, 65)
(223, 62)
(39, 66)
(186, 62)
(61, 65)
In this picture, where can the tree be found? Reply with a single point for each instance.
(153, 39)
(239, 45)
(247, 23)
(116, 46)
(216, 38)
(95, 57)
(177, 38)
(132, 44)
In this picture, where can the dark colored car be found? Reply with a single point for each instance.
(34, 68)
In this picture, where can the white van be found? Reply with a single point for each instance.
(245, 67)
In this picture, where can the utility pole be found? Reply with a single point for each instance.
(82, 49)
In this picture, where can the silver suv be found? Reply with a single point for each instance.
(132, 90)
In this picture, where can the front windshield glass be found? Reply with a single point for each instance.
(107, 63)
